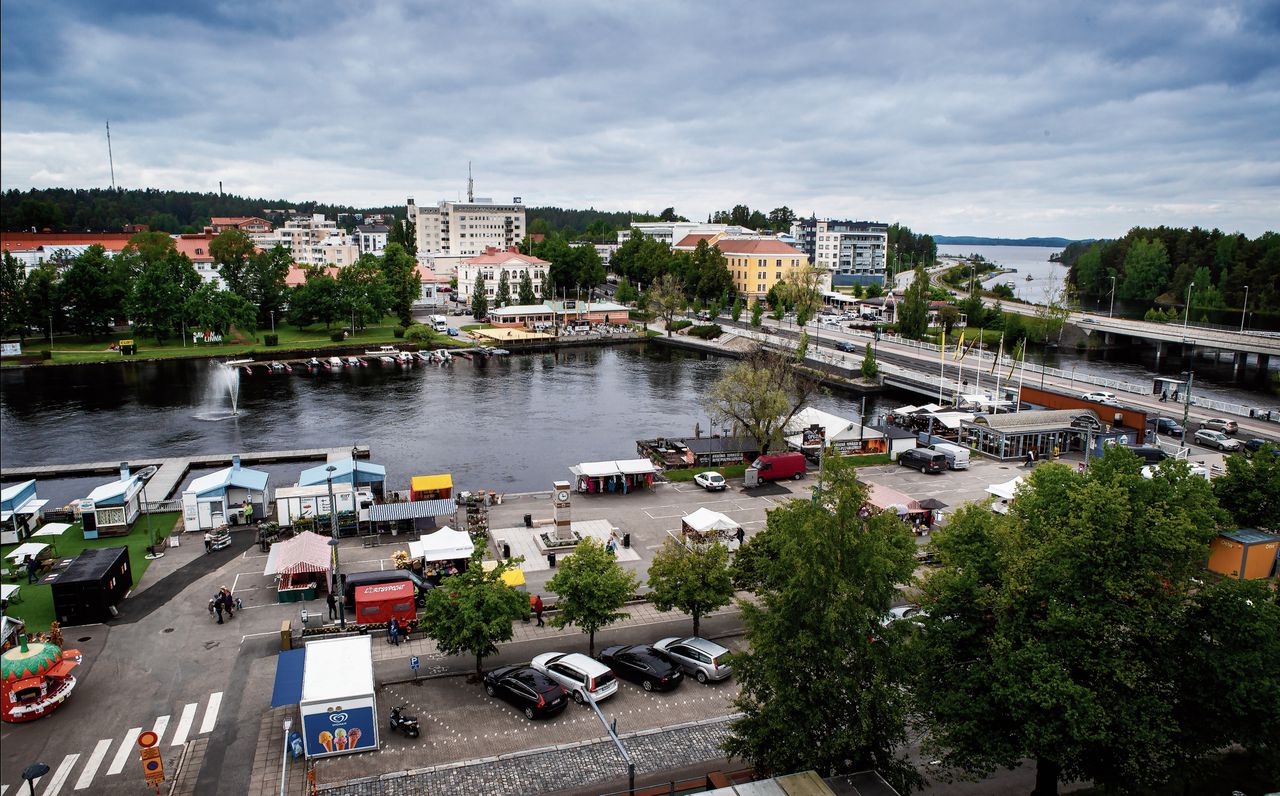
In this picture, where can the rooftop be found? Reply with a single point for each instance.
(757, 246)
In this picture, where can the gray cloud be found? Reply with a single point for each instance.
(1077, 119)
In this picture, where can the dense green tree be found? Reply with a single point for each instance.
(319, 299)
(759, 395)
(211, 309)
(642, 259)
(670, 214)
(781, 219)
(13, 316)
(1049, 632)
(479, 299)
(404, 235)
(735, 311)
(472, 611)
(1091, 278)
(913, 312)
(823, 685)
(90, 293)
(400, 271)
(42, 299)
(591, 588)
(869, 367)
(666, 299)
(1146, 271)
(526, 295)
(694, 579)
(159, 293)
(802, 347)
(704, 272)
(757, 313)
(363, 294)
(1250, 489)
(231, 250)
(625, 293)
(267, 288)
(503, 296)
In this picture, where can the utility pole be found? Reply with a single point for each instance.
(1187, 317)
(1186, 406)
(1112, 311)
(1245, 307)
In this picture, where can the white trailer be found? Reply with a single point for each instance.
(302, 502)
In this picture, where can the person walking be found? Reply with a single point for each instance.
(32, 568)
(538, 608)
(228, 602)
(333, 606)
(208, 542)
(742, 535)
(217, 606)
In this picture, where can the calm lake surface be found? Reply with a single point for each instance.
(512, 424)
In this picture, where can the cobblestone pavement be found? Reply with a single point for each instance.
(556, 768)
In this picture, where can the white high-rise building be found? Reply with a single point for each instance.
(467, 228)
(848, 252)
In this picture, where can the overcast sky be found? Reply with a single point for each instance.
(1073, 119)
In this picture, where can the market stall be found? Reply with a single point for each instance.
(885, 498)
(21, 510)
(442, 553)
(622, 476)
(1004, 494)
(512, 577)
(35, 678)
(705, 526)
(52, 531)
(339, 711)
(431, 487)
(379, 602)
(301, 566)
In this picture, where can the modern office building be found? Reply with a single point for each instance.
(849, 252)
(467, 228)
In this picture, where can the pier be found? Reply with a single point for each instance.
(171, 470)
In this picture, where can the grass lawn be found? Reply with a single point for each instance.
(36, 607)
(473, 326)
(71, 349)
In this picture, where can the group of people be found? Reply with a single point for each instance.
(224, 602)
(398, 629)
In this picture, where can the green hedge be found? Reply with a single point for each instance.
(706, 332)
(338, 336)
(397, 332)
(271, 339)
(676, 326)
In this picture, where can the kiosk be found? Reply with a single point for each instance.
(339, 713)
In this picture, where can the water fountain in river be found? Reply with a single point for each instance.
(224, 386)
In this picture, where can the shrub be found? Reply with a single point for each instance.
(706, 332)
(338, 336)
(271, 339)
(420, 334)
(397, 332)
(676, 326)
(46, 353)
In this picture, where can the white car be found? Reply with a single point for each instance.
(711, 481)
(900, 612)
(578, 673)
(1100, 397)
(1216, 439)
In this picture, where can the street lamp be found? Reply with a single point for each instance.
(1187, 317)
(333, 542)
(273, 321)
(1245, 307)
(284, 756)
(1112, 311)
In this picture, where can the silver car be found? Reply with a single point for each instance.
(705, 660)
(1216, 439)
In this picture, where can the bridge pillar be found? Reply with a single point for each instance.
(1159, 353)
(1239, 361)
(1264, 360)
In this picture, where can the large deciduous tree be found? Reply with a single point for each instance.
(823, 685)
(1250, 489)
(165, 279)
(666, 299)
(209, 308)
(1146, 270)
(13, 316)
(267, 288)
(472, 611)
(231, 250)
(759, 395)
(400, 270)
(404, 234)
(590, 588)
(1051, 632)
(913, 312)
(91, 295)
(363, 291)
(692, 579)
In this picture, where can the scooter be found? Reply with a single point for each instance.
(405, 724)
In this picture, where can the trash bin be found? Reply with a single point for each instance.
(551, 560)
(528, 520)
(626, 540)
(506, 550)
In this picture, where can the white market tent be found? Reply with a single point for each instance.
(445, 544)
(52, 529)
(33, 549)
(704, 520)
(1006, 490)
(614, 468)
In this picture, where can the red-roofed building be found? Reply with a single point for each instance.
(33, 248)
(492, 264)
(251, 225)
(298, 276)
(758, 264)
(690, 242)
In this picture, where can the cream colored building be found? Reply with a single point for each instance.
(492, 263)
(467, 228)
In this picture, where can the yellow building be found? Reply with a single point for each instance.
(758, 264)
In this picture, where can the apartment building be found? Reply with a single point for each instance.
(339, 249)
(757, 263)
(492, 263)
(252, 225)
(848, 252)
(672, 232)
(372, 238)
(467, 228)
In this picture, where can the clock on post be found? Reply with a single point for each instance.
(560, 492)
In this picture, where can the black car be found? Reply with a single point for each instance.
(642, 664)
(926, 461)
(1254, 445)
(537, 695)
(845, 345)
(1166, 426)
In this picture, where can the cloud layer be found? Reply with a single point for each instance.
(1074, 119)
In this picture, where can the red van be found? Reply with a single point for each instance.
(377, 603)
(777, 466)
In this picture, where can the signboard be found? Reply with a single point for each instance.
(414, 663)
(813, 435)
(724, 457)
(339, 731)
(10, 349)
(152, 763)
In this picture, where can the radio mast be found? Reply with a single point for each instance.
(111, 160)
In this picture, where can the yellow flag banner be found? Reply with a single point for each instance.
(996, 362)
(959, 347)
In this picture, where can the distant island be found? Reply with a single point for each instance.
(970, 240)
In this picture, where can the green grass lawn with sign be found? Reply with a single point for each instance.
(36, 605)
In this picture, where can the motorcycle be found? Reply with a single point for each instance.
(405, 724)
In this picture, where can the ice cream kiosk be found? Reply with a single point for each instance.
(339, 714)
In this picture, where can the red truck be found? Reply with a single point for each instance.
(775, 467)
(377, 603)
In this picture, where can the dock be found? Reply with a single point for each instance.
(171, 470)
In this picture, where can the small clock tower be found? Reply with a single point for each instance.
(560, 491)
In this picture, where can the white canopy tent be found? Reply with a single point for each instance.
(1006, 490)
(704, 520)
(445, 544)
(622, 475)
(52, 529)
(33, 549)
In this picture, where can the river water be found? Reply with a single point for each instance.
(511, 424)
(1046, 280)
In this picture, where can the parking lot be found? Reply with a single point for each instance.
(460, 722)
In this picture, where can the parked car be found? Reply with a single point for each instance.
(777, 466)
(536, 695)
(1167, 425)
(900, 612)
(1216, 439)
(1223, 424)
(705, 660)
(452, 332)
(957, 456)
(923, 459)
(1150, 455)
(845, 345)
(653, 669)
(711, 481)
(1100, 397)
(578, 673)
(1254, 445)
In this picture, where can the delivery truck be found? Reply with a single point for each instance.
(775, 467)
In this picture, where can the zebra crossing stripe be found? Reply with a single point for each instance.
(91, 765)
(210, 713)
(184, 724)
(60, 776)
(162, 724)
(122, 756)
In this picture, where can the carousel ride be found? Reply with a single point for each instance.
(35, 678)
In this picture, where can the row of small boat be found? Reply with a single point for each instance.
(387, 357)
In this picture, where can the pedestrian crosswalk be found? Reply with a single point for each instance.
(122, 752)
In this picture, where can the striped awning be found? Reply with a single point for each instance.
(304, 553)
(412, 510)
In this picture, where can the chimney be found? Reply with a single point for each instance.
(124, 470)
(235, 462)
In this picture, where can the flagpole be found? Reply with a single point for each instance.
(1021, 374)
(942, 365)
(995, 372)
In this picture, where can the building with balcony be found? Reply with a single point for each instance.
(372, 238)
(467, 228)
(848, 252)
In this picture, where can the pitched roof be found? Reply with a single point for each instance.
(241, 477)
(691, 241)
(757, 246)
(26, 241)
(1036, 419)
(494, 256)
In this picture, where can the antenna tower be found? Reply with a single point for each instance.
(111, 160)
(471, 185)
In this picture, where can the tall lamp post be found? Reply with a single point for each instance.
(151, 555)
(333, 542)
(1245, 307)
(1111, 312)
(1187, 317)
(284, 756)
